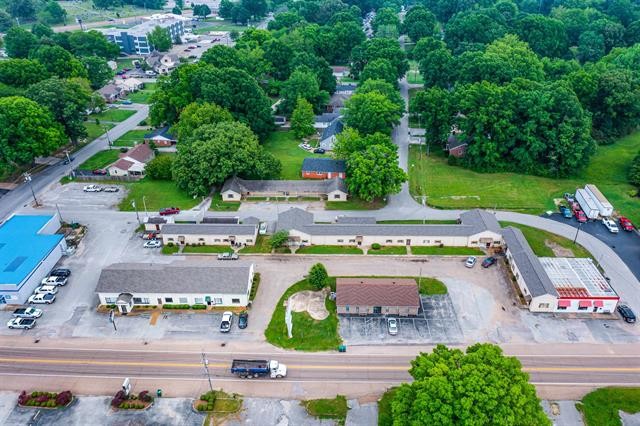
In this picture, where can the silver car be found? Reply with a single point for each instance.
(470, 262)
(392, 326)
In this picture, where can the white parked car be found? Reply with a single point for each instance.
(611, 225)
(111, 189)
(92, 188)
(42, 298)
(263, 228)
(25, 323)
(471, 262)
(225, 323)
(54, 280)
(392, 326)
(153, 244)
(46, 289)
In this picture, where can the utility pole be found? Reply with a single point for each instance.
(205, 364)
(27, 178)
(144, 203)
(577, 232)
(59, 214)
(133, 204)
(112, 319)
(66, 152)
(106, 129)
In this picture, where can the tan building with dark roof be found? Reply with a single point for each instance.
(377, 296)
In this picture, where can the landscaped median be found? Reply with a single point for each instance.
(40, 399)
(201, 249)
(601, 407)
(218, 404)
(445, 251)
(389, 250)
(333, 409)
(329, 250)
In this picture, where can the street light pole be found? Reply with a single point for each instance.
(27, 178)
(133, 204)
(106, 129)
(577, 232)
(144, 203)
(205, 364)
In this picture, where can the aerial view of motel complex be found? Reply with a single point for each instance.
(319, 212)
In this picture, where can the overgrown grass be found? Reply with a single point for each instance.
(206, 249)
(600, 407)
(355, 203)
(112, 114)
(335, 408)
(456, 187)
(329, 250)
(389, 250)
(100, 160)
(95, 130)
(538, 239)
(131, 138)
(142, 96)
(170, 249)
(158, 194)
(384, 407)
(308, 334)
(445, 251)
(223, 206)
(284, 146)
(418, 222)
(218, 26)
(430, 286)
(263, 245)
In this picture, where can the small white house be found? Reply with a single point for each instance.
(127, 285)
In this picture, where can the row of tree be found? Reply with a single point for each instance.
(21, 11)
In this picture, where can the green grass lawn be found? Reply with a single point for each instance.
(335, 408)
(263, 245)
(158, 194)
(355, 203)
(284, 146)
(308, 334)
(389, 250)
(419, 222)
(170, 249)
(112, 114)
(223, 206)
(445, 251)
(206, 249)
(413, 75)
(600, 407)
(537, 239)
(384, 407)
(329, 250)
(431, 286)
(131, 138)
(88, 13)
(94, 130)
(142, 96)
(100, 160)
(456, 187)
(219, 26)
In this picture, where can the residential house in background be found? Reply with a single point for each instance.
(110, 93)
(162, 63)
(377, 296)
(329, 135)
(323, 120)
(236, 189)
(161, 137)
(130, 85)
(340, 71)
(323, 168)
(455, 146)
(134, 40)
(132, 162)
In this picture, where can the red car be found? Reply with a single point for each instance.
(625, 224)
(582, 218)
(99, 172)
(169, 210)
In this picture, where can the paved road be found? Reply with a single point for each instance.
(21, 196)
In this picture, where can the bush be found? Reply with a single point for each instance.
(160, 167)
(124, 149)
(170, 244)
(318, 276)
(634, 171)
(64, 398)
(51, 404)
(176, 306)
(144, 396)
(23, 398)
(202, 407)
(198, 307)
(118, 399)
(375, 246)
(43, 398)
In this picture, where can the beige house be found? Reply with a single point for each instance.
(130, 85)
(477, 228)
(236, 189)
(132, 162)
(210, 234)
(377, 296)
(162, 63)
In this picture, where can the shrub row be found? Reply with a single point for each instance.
(120, 400)
(204, 407)
(184, 306)
(375, 246)
(45, 399)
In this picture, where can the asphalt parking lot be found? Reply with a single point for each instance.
(71, 196)
(436, 322)
(624, 244)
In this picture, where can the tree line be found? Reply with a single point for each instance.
(530, 88)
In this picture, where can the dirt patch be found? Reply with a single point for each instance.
(558, 250)
(310, 301)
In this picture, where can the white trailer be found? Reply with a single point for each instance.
(587, 204)
(604, 206)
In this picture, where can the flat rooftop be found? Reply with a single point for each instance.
(576, 277)
(22, 248)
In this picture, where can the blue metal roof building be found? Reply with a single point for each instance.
(28, 249)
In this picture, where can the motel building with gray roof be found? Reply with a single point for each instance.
(143, 284)
(209, 234)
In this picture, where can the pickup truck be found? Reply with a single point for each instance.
(27, 313)
(227, 256)
(248, 368)
(54, 280)
(92, 188)
(25, 323)
(42, 298)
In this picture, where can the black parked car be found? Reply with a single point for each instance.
(319, 151)
(243, 320)
(60, 272)
(627, 314)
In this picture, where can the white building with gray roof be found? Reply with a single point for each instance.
(210, 234)
(236, 189)
(142, 284)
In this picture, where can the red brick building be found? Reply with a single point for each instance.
(323, 168)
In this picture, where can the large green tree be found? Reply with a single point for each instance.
(437, 68)
(341, 40)
(379, 48)
(216, 152)
(196, 114)
(59, 61)
(385, 17)
(19, 42)
(23, 9)
(387, 89)
(21, 72)
(52, 13)
(474, 27)
(351, 141)
(374, 173)
(98, 71)
(477, 387)
(302, 84)
(433, 108)
(546, 36)
(379, 69)
(418, 23)
(302, 119)
(92, 43)
(371, 112)
(160, 39)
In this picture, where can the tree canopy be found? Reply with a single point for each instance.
(371, 112)
(374, 172)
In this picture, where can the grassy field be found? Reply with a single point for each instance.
(284, 146)
(142, 96)
(308, 334)
(263, 245)
(456, 187)
(94, 130)
(100, 160)
(446, 251)
(158, 194)
(335, 409)
(86, 11)
(384, 408)
(214, 25)
(538, 240)
(170, 249)
(112, 114)
(431, 286)
(389, 250)
(600, 407)
(124, 63)
(131, 138)
(206, 249)
(223, 206)
(329, 250)
(354, 203)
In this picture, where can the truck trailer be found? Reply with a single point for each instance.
(254, 368)
(604, 206)
(587, 204)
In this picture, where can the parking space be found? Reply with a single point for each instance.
(624, 244)
(72, 196)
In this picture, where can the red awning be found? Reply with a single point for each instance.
(564, 303)
(584, 304)
(598, 303)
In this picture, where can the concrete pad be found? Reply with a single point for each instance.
(312, 302)
(562, 413)
(8, 401)
(630, 419)
(361, 414)
(271, 411)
